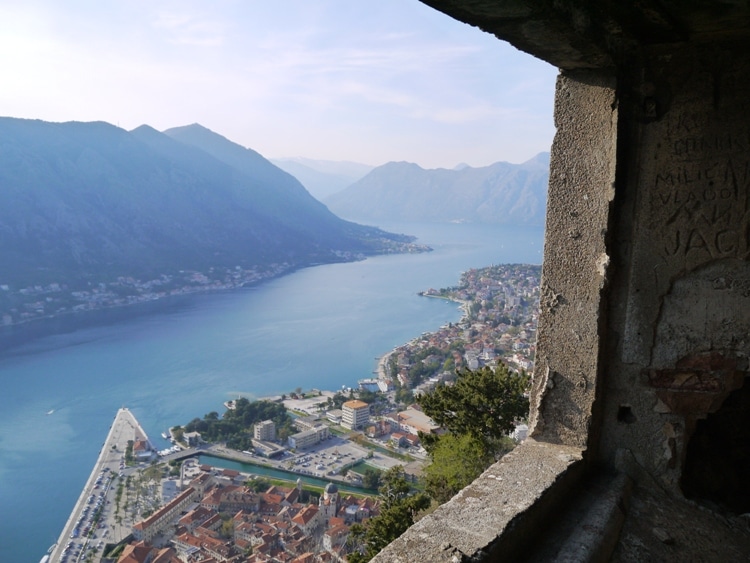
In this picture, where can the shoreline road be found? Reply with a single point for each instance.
(79, 535)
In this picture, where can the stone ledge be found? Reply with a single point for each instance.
(604, 500)
(491, 515)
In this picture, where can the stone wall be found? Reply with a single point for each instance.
(680, 316)
(644, 329)
(581, 189)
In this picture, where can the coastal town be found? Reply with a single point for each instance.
(291, 484)
(500, 305)
(21, 303)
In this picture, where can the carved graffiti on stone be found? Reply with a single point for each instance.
(700, 196)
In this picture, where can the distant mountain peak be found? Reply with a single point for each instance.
(541, 159)
(323, 178)
(88, 202)
(501, 193)
(195, 129)
(401, 164)
(146, 131)
(193, 126)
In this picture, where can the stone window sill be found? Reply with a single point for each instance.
(490, 515)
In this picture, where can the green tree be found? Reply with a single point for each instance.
(338, 399)
(484, 403)
(371, 478)
(367, 396)
(399, 509)
(479, 411)
(227, 528)
(404, 396)
(474, 308)
(178, 433)
(393, 486)
(259, 484)
(457, 459)
(449, 364)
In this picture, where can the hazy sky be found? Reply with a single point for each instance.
(363, 80)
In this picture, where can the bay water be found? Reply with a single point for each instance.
(62, 380)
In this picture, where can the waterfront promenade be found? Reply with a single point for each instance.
(98, 486)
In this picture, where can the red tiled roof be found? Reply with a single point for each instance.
(305, 515)
(339, 530)
(165, 555)
(167, 507)
(335, 521)
(134, 554)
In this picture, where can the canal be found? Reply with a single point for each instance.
(278, 474)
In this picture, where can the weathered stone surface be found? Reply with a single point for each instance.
(660, 527)
(645, 309)
(576, 34)
(680, 303)
(471, 522)
(581, 190)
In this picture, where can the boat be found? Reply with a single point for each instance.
(165, 435)
(46, 557)
(49, 412)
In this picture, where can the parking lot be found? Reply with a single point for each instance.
(92, 522)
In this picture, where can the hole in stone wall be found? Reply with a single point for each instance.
(625, 414)
(717, 462)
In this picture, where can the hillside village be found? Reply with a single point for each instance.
(501, 309)
(18, 305)
(22, 304)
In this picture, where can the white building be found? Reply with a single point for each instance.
(265, 431)
(355, 414)
(385, 385)
(307, 438)
(147, 529)
(334, 415)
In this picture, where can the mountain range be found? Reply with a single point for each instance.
(323, 178)
(83, 202)
(501, 193)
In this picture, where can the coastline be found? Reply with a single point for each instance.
(256, 278)
(103, 475)
(123, 428)
(464, 304)
(383, 360)
(184, 291)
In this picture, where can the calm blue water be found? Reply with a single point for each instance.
(171, 361)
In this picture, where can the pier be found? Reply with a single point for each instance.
(112, 455)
